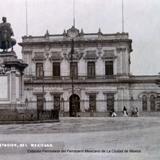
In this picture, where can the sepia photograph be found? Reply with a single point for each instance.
(79, 79)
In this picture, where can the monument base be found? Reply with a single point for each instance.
(11, 81)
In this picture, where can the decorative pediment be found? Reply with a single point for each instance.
(110, 92)
(76, 56)
(38, 56)
(72, 32)
(56, 56)
(91, 55)
(92, 92)
(108, 54)
(56, 93)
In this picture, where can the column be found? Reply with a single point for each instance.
(13, 85)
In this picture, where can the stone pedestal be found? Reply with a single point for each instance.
(11, 80)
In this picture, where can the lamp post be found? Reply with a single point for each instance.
(72, 69)
(41, 101)
(43, 90)
(72, 80)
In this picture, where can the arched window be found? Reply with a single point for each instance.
(152, 103)
(144, 103)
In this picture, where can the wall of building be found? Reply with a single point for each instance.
(87, 47)
(120, 60)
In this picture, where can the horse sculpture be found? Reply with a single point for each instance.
(6, 32)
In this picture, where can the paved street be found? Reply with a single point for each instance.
(83, 138)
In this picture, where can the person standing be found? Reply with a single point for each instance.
(125, 113)
(136, 112)
(113, 113)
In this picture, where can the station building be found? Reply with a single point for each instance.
(85, 74)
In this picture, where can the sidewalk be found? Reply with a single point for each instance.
(29, 122)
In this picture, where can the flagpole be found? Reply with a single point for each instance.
(26, 7)
(122, 16)
(74, 19)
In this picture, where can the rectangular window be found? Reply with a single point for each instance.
(40, 102)
(108, 68)
(91, 69)
(74, 70)
(158, 103)
(92, 102)
(110, 101)
(56, 69)
(39, 70)
(57, 102)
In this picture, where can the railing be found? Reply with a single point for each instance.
(49, 110)
(100, 105)
(26, 112)
(64, 78)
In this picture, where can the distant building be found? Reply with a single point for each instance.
(92, 80)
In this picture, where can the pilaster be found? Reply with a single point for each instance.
(13, 85)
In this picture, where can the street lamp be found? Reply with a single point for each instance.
(72, 80)
(72, 69)
(43, 90)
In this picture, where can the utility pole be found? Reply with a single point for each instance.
(72, 69)
(43, 90)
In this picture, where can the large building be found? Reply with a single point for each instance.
(85, 74)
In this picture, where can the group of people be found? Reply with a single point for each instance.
(134, 112)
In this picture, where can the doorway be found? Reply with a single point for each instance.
(74, 105)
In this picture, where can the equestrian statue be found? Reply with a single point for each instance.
(6, 32)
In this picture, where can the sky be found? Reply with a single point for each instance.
(142, 22)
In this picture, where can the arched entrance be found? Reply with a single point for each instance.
(74, 105)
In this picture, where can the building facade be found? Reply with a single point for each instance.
(85, 74)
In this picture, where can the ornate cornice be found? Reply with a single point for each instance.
(76, 56)
(91, 55)
(91, 92)
(56, 56)
(39, 56)
(108, 54)
(56, 93)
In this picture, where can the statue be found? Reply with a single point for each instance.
(6, 32)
